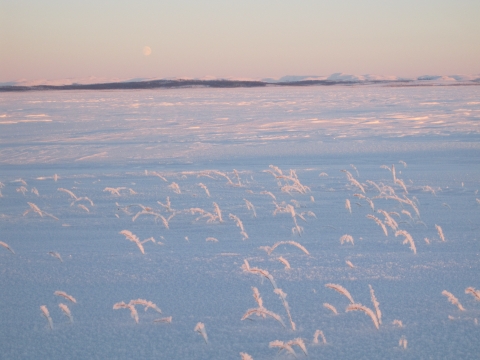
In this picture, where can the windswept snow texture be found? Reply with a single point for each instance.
(218, 177)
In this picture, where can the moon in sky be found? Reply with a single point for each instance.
(147, 50)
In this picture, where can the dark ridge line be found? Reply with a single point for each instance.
(137, 85)
(181, 83)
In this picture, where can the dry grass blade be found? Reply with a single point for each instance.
(348, 206)
(68, 192)
(374, 185)
(37, 210)
(114, 191)
(319, 333)
(340, 289)
(175, 188)
(355, 168)
(154, 173)
(46, 314)
(237, 175)
(269, 194)
(5, 245)
(283, 297)
(130, 236)
(245, 356)
(398, 323)
(262, 312)
(402, 184)
(376, 305)
(282, 346)
(297, 229)
(330, 307)
(203, 214)
(475, 293)
(250, 207)
(246, 267)
(21, 181)
(146, 212)
(309, 213)
(284, 262)
(218, 212)
(22, 189)
(452, 299)
(257, 297)
(440, 232)
(167, 205)
(33, 208)
(166, 320)
(164, 221)
(347, 239)
(83, 207)
(66, 311)
(293, 243)
(429, 189)
(300, 343)
(200, 328)
(216, 172)
(65, 295)
(379, 223)
(276, 169)
(408, 239)
(133, 238)
(354, 182)
(133, 311)
(204, 187)
(367, 311)
(147, 304)
(412, 204)
(55, 255)
(389, 221)
(407, 213)
(239, 224)
(370, 202)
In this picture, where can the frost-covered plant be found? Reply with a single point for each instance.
(452, 299)
(347, 239)
(46, 314)
(200, 328)
(66, 311)
(408, 239)
(5, 245)
(330, 307)
(340, 289)
(366, 310)
(318, 333)
(475, 293)
(376, 305)
(293, 243)
(440, 232)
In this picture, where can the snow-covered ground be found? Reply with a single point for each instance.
(187, 167)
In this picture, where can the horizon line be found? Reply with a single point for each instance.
(334, 79)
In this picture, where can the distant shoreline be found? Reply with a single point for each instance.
(223, 84)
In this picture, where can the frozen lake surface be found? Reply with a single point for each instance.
(218, 177)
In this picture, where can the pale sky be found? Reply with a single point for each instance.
(55, 39)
